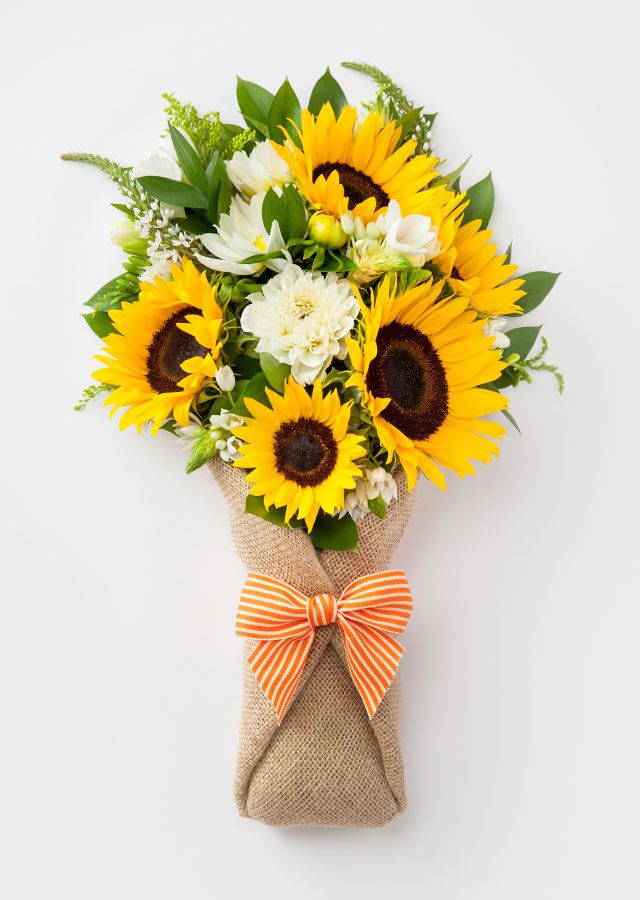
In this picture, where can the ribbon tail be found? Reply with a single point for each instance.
(277, 667)
(373, 659)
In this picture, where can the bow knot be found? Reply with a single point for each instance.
(322, 609)
(284, 622)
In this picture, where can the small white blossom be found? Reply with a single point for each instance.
(303, 319)
(495, 328)
(373, 484)
(225, 421)
(227, 445)
(189, 434)
(225, 378)
(241, 234)
(256, 172)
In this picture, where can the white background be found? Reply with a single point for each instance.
(119, 669)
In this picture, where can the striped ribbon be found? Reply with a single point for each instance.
(285, 622)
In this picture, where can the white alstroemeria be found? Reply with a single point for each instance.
(256, 172)
(303, 319)
(161, 162)
(392, 241)
(495, 328)
(373, 484)
(241, 234)
(227, 445)
(225, 378)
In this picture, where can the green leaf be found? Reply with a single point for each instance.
(453, 177)
(255, 506)
(509, 418)
(331, 533)
(189, 160)
(507, 254)
(537, 285)
(327, 90)
(284, 107)
(176, 193)
(378, 507)
(408, 122)
(99, 322)
(107, 288)
(481, 197)
(521, 340)
(255, 390)
(287, 209)
(193, 225)
(276, 372)
(254, 103)
(261, 257)
(220, 188)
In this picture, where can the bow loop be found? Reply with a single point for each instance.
(284, 622)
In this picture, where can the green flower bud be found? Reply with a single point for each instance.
(135, 246)
(327, 231)
(512, 358)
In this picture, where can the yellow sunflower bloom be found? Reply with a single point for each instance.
(478, 273)
(299, 451)
(419, 363)
(166, 347)
(339, 169)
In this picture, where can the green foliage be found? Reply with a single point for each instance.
(396, 104)
(120, 176)
(276, 372)
(190, 162)
(378, 507)
(284, 109)
(90, 392)
(480, 196)
(287, 209)
(254, 102)
(176, 193)
(520, 365)
(537, 285)
(331, 533)
(255, 507)
(327, 90)
(255, 389)
(206, 131)
(99, 322)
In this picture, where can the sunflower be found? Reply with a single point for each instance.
(338, 168)
(481, 275)
(418, 364)
(166, 346)
(299, 451)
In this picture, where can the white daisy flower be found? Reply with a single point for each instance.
(495, 328)
(303, 319)
(256, 172)
(241, 234)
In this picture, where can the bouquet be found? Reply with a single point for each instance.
(314, 305)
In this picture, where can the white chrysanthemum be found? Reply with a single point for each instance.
(241, 234)
(256, 172)
(374, 483)
(392, 241)
(495, 328)
(302, 318)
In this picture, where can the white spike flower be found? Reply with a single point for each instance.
(256, 172)
(241, 234)
(303, 319)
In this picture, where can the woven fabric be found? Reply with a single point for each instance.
(326, 763)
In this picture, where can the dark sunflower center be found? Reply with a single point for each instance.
(306, 451)
(408, 370)
(356, 185)
(170, 347)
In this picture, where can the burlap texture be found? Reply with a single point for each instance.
(327, 763)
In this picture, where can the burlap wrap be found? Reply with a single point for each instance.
(326, 764)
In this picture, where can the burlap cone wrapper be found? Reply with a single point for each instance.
(327, 763)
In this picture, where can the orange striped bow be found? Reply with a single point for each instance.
(285, 623)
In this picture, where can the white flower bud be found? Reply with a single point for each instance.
(225, 378)
(121, 231)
